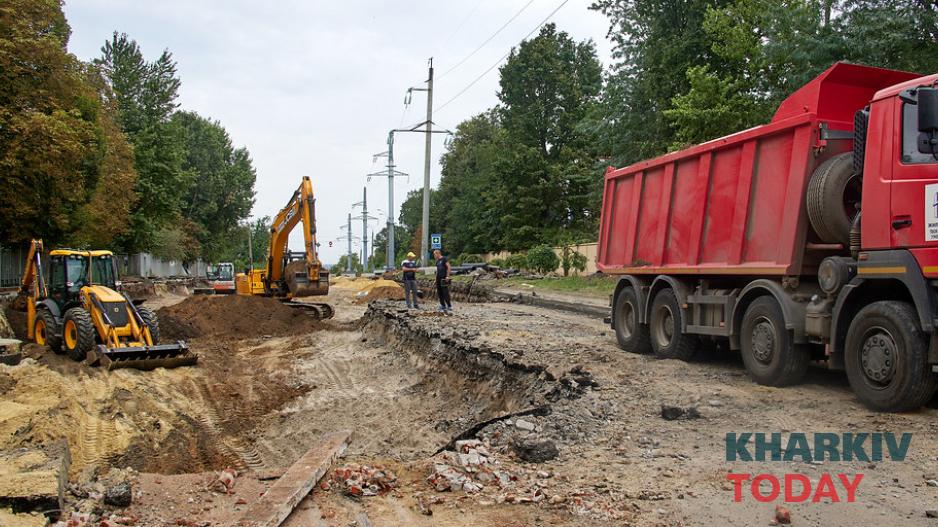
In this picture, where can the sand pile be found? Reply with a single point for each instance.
(379, 289)
(233, 316)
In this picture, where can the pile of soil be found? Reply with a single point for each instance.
(233, 316)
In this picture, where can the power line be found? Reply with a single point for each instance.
(460, 26)
(482, 45)
(499, 61)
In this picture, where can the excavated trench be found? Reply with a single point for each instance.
(265, 389)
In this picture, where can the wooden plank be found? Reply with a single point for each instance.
(283, 496)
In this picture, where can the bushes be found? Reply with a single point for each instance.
(517, 261)
(497, 262)
(542, 259)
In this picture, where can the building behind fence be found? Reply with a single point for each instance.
(13, 263)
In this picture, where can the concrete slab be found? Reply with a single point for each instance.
(286, 493)
(34, 479)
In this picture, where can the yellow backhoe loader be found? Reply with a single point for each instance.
(291, 275)
(80, 311)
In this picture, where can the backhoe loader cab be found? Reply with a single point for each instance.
(78, 308)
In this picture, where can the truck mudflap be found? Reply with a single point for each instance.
(142, 357)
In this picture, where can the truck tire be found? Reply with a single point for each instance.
(631, 335)
(667, 338)
(770, 356)
(78, 333)
(46, 331)
(832, 198)
(886, 357)
(152, 321)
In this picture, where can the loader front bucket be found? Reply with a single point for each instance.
(143, 357)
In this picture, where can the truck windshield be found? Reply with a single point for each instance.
(102, 271)
(76, 272)
(225, 272)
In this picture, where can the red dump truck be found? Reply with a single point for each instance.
(811, 238)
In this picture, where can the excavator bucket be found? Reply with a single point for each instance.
(299, 283)
(143, 357)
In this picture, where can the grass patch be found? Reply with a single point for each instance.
(600, 286)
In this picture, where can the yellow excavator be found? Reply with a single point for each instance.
(291, 275)
(81, 311)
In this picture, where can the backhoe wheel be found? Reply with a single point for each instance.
(668, 340)
(152, 322)
(78, 333)
(886, 357)
(770, 356)
(631, 335)
(47, 331)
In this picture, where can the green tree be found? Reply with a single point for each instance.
(542, 259)
(145, 94)
(655, 42)
(63, 164)
(341, 267)
(220, 180)
(549, 86)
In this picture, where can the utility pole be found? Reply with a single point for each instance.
(425, 217)
(364, 217)
(389, 264)
(250, 246)
(348, 263)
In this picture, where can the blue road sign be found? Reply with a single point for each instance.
(436, 241)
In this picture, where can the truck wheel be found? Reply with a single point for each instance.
(667, 339)
(632, 336)
(770, 356)
(78, 333)
(47, 332)
(833, 195)
(150, 319)
(886, 358)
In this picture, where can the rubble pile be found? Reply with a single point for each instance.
(361, 480)
(473, 469)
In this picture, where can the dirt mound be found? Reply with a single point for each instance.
(232, 316)
(381, 292)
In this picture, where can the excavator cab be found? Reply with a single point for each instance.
(79, 309)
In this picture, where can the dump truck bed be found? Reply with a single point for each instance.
(735, 205)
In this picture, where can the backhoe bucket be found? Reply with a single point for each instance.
(143, 357)
(300, 285)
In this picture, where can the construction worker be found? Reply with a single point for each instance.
(410, 281)
(443, 270)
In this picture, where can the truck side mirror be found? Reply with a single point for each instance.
(928, 110)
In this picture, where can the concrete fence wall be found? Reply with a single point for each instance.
(589, 250)
(13, 263)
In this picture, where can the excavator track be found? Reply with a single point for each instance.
(318, 310)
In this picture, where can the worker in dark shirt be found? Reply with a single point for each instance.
(443, 270)
(409, 266)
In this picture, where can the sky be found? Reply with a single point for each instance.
(313, 87)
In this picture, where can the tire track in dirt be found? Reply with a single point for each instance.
(242, 456)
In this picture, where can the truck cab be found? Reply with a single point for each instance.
(812, 238)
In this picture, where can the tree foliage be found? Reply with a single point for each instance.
(542, 259)
(65, 165)
(525, 172)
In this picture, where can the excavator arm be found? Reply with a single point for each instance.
(304, 278)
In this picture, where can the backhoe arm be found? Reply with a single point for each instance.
(32, 286)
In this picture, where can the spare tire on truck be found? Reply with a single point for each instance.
(833, 198)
